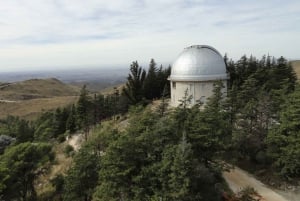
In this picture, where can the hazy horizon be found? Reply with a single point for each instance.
(68, 75)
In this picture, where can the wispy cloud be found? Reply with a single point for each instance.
(229, 24)
(78, 19)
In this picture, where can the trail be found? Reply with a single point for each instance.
(238, 179)
(75, 141)
(7, 101)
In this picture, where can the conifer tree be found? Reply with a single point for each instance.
(284, 139)
(209, 130)
(18, 169)
(135, 82)
(151, 87)
(71, 121)
(84, 111)
(82, 178)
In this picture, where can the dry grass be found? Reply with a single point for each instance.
(111, 90)
(30, 109)
(296, 67)
(28, 99)
(61, 166)
(36, 88)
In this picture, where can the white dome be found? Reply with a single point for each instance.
(199, 63)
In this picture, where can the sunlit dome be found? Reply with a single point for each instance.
(199, 63)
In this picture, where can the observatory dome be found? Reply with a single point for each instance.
(198, 63)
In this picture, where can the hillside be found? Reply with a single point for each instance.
(36, 88)
(296, 66)
(111, 89)
(30, 109)
(29, 98)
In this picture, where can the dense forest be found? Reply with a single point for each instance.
(163, 154)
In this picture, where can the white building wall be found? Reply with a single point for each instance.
(200, 91)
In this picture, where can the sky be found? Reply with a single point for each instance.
(71, 34)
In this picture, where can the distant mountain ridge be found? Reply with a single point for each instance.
(107, 75)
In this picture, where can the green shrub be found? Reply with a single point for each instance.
(68, 150)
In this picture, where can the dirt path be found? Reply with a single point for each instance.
(75, 141)
(7, 101)
(238, 179)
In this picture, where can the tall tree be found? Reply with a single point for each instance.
(135, 82)
(151, 89)
(209, 130)
(84, 113)
(71, 121)
(284, 139)
(82, 178)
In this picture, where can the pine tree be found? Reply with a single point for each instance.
(284, 139)
(18, 169)
(209, 130)
(82, 178)
(84, 111)
(71, 121)
(135, 82)
(151, 87)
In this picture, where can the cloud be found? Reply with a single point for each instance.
(142, 27)
(77, 19)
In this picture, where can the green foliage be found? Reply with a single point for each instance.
(71, 125)
(151, 87)
(17, 128)
(68, 150)
(84, 111)
(209, 130)
(58, 183)
(18, 169)
(141, 85)
(135, 81)
(152, 160)
(162, 108)
(156, 82)
(161, 155)
(184, 177)
(257, 90)
(60, 118)
(44, 127)
(5, 141)
(284, 139)
(82, 178)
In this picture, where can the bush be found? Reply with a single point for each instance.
(61, 138)
(262, 158)
(68, 150)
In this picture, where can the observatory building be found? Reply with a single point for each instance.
(195, 70)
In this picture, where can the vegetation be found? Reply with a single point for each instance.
(36, 88)
(161, 154)
(33, 108)
(283, 139)
(263, 107)
(142, 86)
(18, 169)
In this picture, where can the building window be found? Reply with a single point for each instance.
(174, 85)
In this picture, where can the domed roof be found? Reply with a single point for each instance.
(199, 63)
